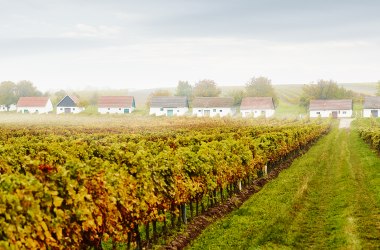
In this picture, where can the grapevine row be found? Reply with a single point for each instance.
(75, 188)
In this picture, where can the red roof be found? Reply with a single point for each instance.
(344, 104)
(116, 101)
(257, 103)
(39, 101)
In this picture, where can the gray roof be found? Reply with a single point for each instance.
(213, 102)
(344, 104)
(371, 102)
(69, 101)
(257, 103)
(169, 102)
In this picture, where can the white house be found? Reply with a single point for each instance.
(331, 108)
(169, 105)
(257, 107)
(39, 105)
(12, 107)
(371, 106)
(213, 106)
(69, 105)
(116, 104)
(3, 108)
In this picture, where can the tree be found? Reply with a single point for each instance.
(324, 90)
(26, 88)
(260, 87)
(8, 93)
(206, 88)
(378, 88)
(184, 89)
(237, 95)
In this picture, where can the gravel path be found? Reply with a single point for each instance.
(345, 122)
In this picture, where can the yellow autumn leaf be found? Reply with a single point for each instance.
(57, 201)
(44, 226)
(99, 220)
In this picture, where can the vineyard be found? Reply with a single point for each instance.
(369, 131)
(81, 186)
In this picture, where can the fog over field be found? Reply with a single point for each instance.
(152, 44)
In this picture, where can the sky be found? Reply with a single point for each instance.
(119, 44)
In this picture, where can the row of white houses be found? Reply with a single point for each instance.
(202, 106)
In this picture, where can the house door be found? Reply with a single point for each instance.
(169, 112)
(374, 113)
(67, 110)
(206, 112)
(263, 113)
(335, 114)
(126, 111)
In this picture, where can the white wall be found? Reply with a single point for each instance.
(367, 112)
(164, 111)
(257, 112)
(115, 110)
(3, 108)
(212, 112)
(73, 110)
(40, 110)
(328, 113)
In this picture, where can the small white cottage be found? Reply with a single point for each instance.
(69, 105)
(169, 105)
(3, 108)
(331, 108)
(38, 105)
(116, 104)
(213, 106)
(257, 107)
(371, 106)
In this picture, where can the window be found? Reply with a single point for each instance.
(318, 113)
(61, 108)
(344, 112)
(221, 111)
(73, 108)
(200, 111)
(119, 108)
(177, 110)
(214, 110)
(161, 109)
(109, 108)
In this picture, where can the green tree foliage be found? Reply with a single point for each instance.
(261, 87)
(8, 93)
(206, 88)
(378, 88)
(26, 88)
(184, 89)
(324, 90)
(11, 92)
(237, 95)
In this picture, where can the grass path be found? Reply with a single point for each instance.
(328, 199)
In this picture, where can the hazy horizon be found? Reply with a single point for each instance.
(152, 44)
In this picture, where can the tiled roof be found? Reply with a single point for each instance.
(213, 102)
(344, 104)
(69, 101)
(371, 102)
(169, 102)
(116, 102)
(257, 103)
(40, 101)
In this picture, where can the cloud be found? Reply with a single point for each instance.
(91, 31)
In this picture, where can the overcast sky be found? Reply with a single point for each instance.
(150, 44)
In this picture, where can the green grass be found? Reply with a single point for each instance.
(328, 199)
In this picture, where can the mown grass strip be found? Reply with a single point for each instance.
(329, 198)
